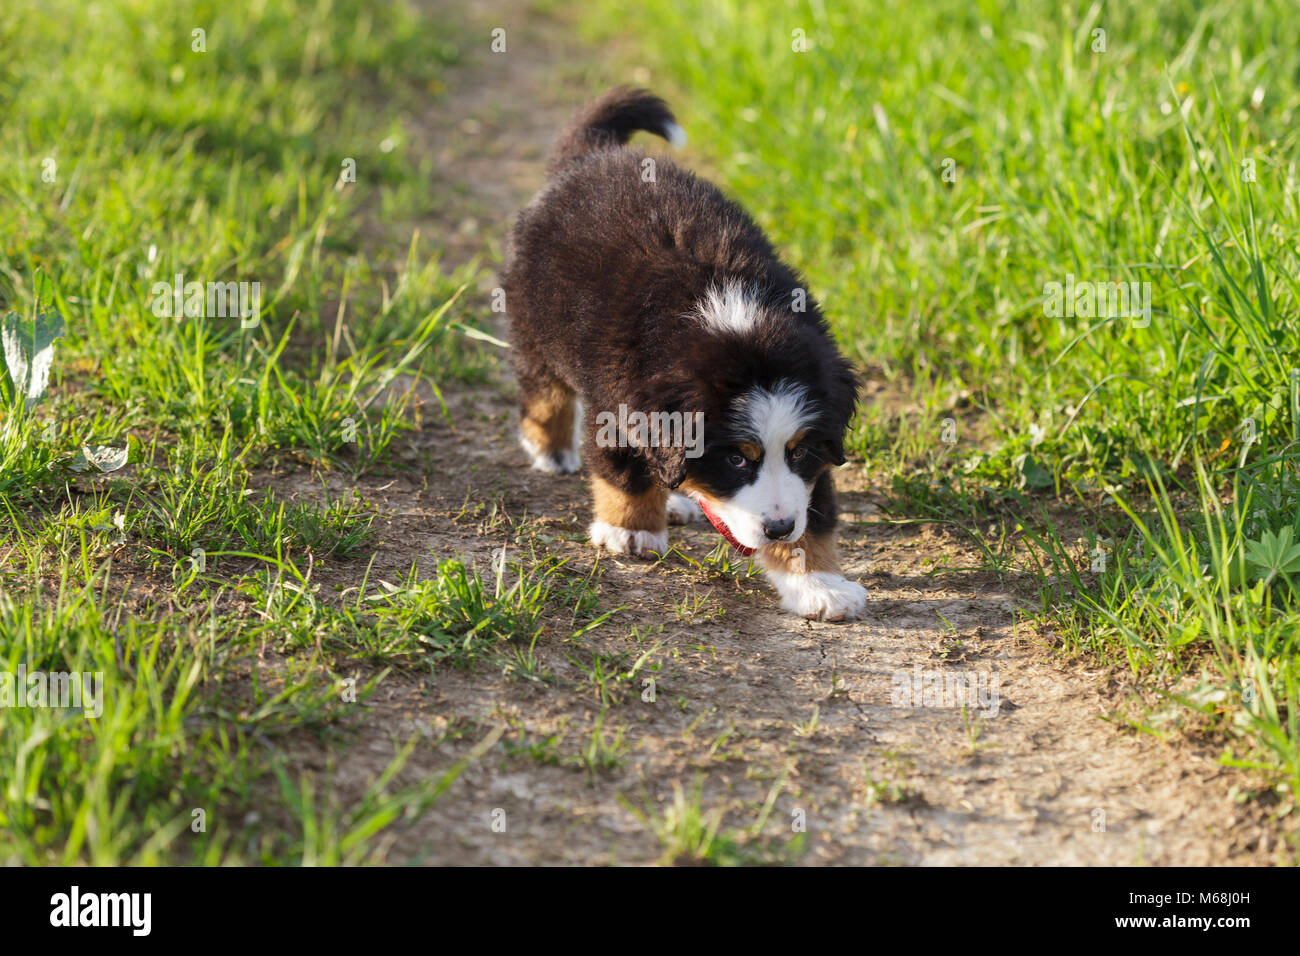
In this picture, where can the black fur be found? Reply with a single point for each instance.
(608, 122)
(604, 270)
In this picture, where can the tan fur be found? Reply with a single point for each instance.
(689, 485)
(548, 420)
(647, 512)
(810, 553)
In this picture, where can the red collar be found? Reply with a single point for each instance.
(722, 527)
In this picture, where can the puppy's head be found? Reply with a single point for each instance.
(775, 398)
(761, 460)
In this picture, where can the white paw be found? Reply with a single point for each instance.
(683, 510)
(820, 595)
(565, 462)
(624, 541)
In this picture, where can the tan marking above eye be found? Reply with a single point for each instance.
(752, 452)
(789, 446)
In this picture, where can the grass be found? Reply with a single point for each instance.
(148, 544)
(692, 834)
(933, 175)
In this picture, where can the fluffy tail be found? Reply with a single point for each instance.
(610, 121)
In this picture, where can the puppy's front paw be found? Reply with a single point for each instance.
(626, 541)
(820, 595)
(683, 510)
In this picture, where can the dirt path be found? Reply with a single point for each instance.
(745, 696)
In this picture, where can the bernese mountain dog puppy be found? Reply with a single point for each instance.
(652, 322)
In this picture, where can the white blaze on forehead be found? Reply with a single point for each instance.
(729, 307)
(776, 416)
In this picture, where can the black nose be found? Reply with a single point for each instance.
(776, 530)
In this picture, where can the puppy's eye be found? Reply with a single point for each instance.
(799, 453)
(737, 460)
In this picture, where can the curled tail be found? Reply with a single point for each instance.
(610, 121)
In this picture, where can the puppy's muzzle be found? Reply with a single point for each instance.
(778, 530)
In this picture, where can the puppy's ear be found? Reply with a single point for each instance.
(667, 461)
(842, 399)
(835, 450)
(667, 464)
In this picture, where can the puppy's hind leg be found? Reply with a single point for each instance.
(549, 427)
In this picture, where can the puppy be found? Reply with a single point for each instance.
(652, 322)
